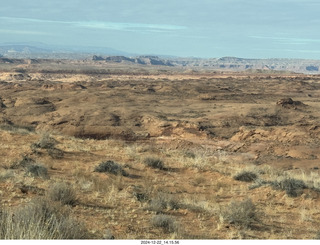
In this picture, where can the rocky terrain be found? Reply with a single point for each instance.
(153, 151)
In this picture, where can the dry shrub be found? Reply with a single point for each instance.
(241, 213)
(143, 193)
(154, 162)
(167, 223)
(55, 153)
(189, 154)
(62, 192)
(157, 204)
(37, 170)
(141, 196)
(293, 187)
(163, 201)
(108, 235)
(317, 237)
(21, 129)
(40, 219)
(46, 142)
(24, 162)
(110, 167)
(6, 174)
(246, 176)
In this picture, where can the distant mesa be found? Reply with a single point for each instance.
(231, 59)
(97, 58)
(142, 60)
(6, 60)
(38, 53)
(225, 63)
(44, 51)
(119, 59)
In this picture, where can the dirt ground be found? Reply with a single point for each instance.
(206, 127)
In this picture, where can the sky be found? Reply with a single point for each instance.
(198, 28)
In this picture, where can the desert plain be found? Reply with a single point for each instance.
(154, 152)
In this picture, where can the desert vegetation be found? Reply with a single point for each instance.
(40, 219)
(172, 154)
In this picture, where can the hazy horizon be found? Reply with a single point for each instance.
(204, 28)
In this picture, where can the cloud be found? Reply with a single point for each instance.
(127, 26)
(290, 50)
(292, 40)
(136, 27)
(23, 32)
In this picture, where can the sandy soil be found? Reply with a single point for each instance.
(206, 128)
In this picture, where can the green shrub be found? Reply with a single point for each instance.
(154, 162)
(110, 167)
(62, 192)
(243, 213)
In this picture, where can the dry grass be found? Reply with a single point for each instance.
(191, 179)
(40, 220)
(240, 213)
(63, 193)
(202, 159)
(6, 175)
(167, 223)
(169, 193)
(163, 201)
